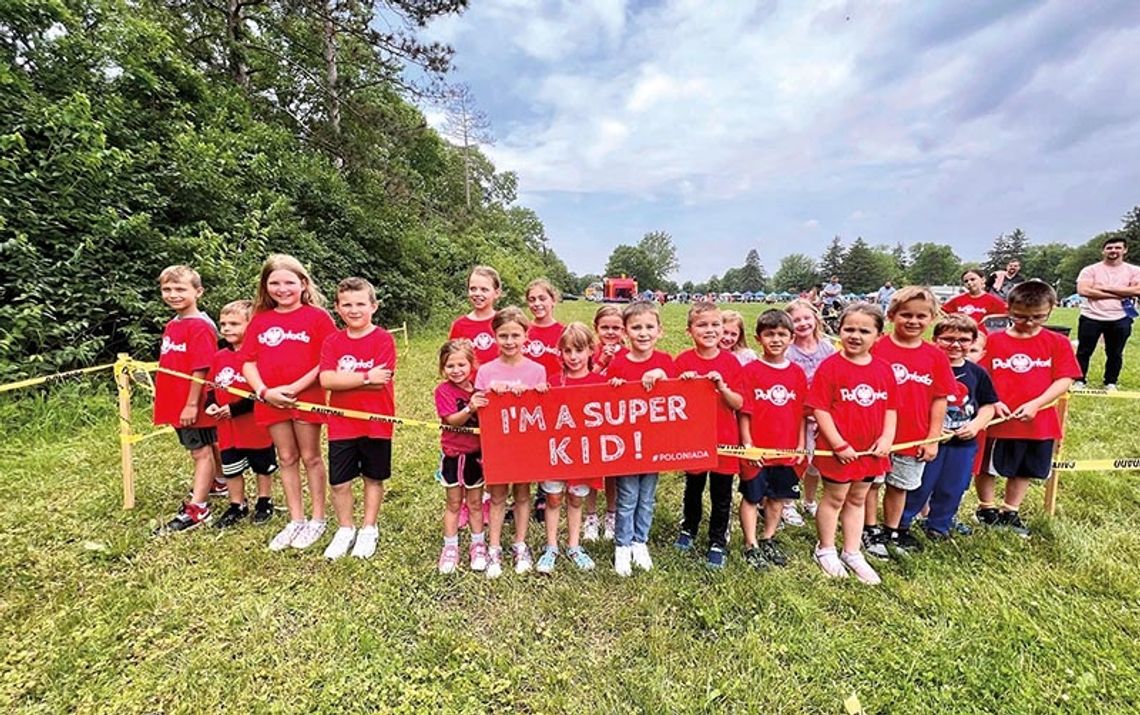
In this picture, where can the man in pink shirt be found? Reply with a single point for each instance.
(1110, 287)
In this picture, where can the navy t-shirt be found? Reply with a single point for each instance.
(979, 391)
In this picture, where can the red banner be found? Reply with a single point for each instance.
(599, 430)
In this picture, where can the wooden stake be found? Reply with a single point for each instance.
(126, 447)
(1055, 476)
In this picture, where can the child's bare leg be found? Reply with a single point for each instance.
(342, 503)
(216, 450)
(1015, 491)
(451, 511)
(985, 486)
(827, 518)
(373, 498)
(264, 486)
(894, 501)
(309, 444)
(852, 517)
(592, 502)
(611, 495)
(474, 509)
(573, 518)
(522, 511)
(773, 509)
(871, 506)
(236, 485)
(204, 469)
(811, 484)
(748, 515)
(498, 511)
(289, 467)
(552, 517)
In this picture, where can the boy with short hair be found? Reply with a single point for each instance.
(1030, 368)
(188, 345)
(775, 393)
(357, 366)
(244, 445)
(969, 409)
(706, 360)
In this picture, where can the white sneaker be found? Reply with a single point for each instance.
(494, 562)
(862, 570)
(791, 515)
(1079, 385)
(622, 558)
(286, 536)
(1110, 387)
(365, 545)
(314, 529)
(590, 528)
(611, 519)
(641, 558)
(340, 544)
(829, 562)
(523, 560)
(811, 508)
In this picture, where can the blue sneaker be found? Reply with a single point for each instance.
(716, 558)
(684, 541)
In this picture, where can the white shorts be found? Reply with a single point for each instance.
(578, 490)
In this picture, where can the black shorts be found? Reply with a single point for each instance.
(236, 460)
(470, 466)
(193, 438)
(1032, 458)
(778, 481)
(370, 457)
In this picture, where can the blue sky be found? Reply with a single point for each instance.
(775, 125)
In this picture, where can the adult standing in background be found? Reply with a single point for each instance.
(1004, 281)
(1111, 287)
(884, 295)
(831, 291)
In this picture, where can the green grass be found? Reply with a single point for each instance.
(96, 616)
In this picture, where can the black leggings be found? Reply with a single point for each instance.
(720, 492)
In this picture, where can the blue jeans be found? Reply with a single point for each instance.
(636, 497)
(944, 481)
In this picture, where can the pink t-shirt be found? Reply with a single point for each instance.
(527, 373)
(1121, 276)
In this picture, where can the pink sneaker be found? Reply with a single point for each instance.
(464, 515)
(829, 562)
(862, 570)
(478, 556)
(448, 559)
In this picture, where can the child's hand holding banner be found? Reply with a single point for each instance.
(599, 430)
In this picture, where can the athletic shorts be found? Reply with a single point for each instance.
(906, 472)
(1031, 458)
(469, 466)
(578, 490)
(236, 460)
(369, 457)
(193, 438)
(778, 481)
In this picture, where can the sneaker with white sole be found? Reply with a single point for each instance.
(523, 560)
(829, 562)
(341, 542)
(547, 560)
(365, 545)
(313, 531)
(448, 558)
(478, 556)
(1110, 387)
(284, 538)
(494, 562)
(641, 558)
(1079, 385)
(611, 521)
(862, 570)
(590, 528)
(811, 508)
(623, 556)
(790, 515)
(189, 517)
(580, 558)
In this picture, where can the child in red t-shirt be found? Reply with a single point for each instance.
(925, 380)
(853, 398)
(707, 360)
(637, 493)
(775, 392)
(575, 345)
(244, 444)
(610, 329)
(188, 344)
(976, 302)
(483, 288)
(544, 332)
(1030, 367)
(461, 468)
(281, 362)
(357, 367)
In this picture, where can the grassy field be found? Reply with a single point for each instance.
(97, 616)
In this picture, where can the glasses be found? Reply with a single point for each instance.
(1035, 318)
(964, 342)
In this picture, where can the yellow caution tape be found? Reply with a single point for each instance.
(1114, 394)
(1097, 465)
(33, 381)
(136, 438)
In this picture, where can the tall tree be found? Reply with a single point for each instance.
(796, 272)
(1006, 248)
(831, 263)
(752, 276)
(1044, 262)
(934, 264)
(661, 252)
(467, 125)
(865, 269)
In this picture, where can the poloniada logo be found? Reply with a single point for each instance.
(862, 394)
(483, 341)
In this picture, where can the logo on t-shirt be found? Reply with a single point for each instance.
(349, 363)
(483, 341)
(537, 348)
(863, 395)
(778, 395)
(903, 375)
(968, 309)
(227, 376)
(1020, 363)
(275, 336)
(169, 346)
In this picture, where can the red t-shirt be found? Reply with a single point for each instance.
(240, 431)
(1023, 368)
(727, 427)
(775, 399)
(923, 373)
(623, 368)
(977, 308)
(285, 346)
(188, 345)
(542, 347)
(343, 353)
(449, 399)
(599, 362)
(480, 334)
(591, 378)
(857, 397)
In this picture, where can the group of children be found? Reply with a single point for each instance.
(884, 409)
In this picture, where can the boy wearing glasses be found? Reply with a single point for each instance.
(969, 408)
(1030, 368)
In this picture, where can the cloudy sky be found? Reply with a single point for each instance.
(775, 125)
